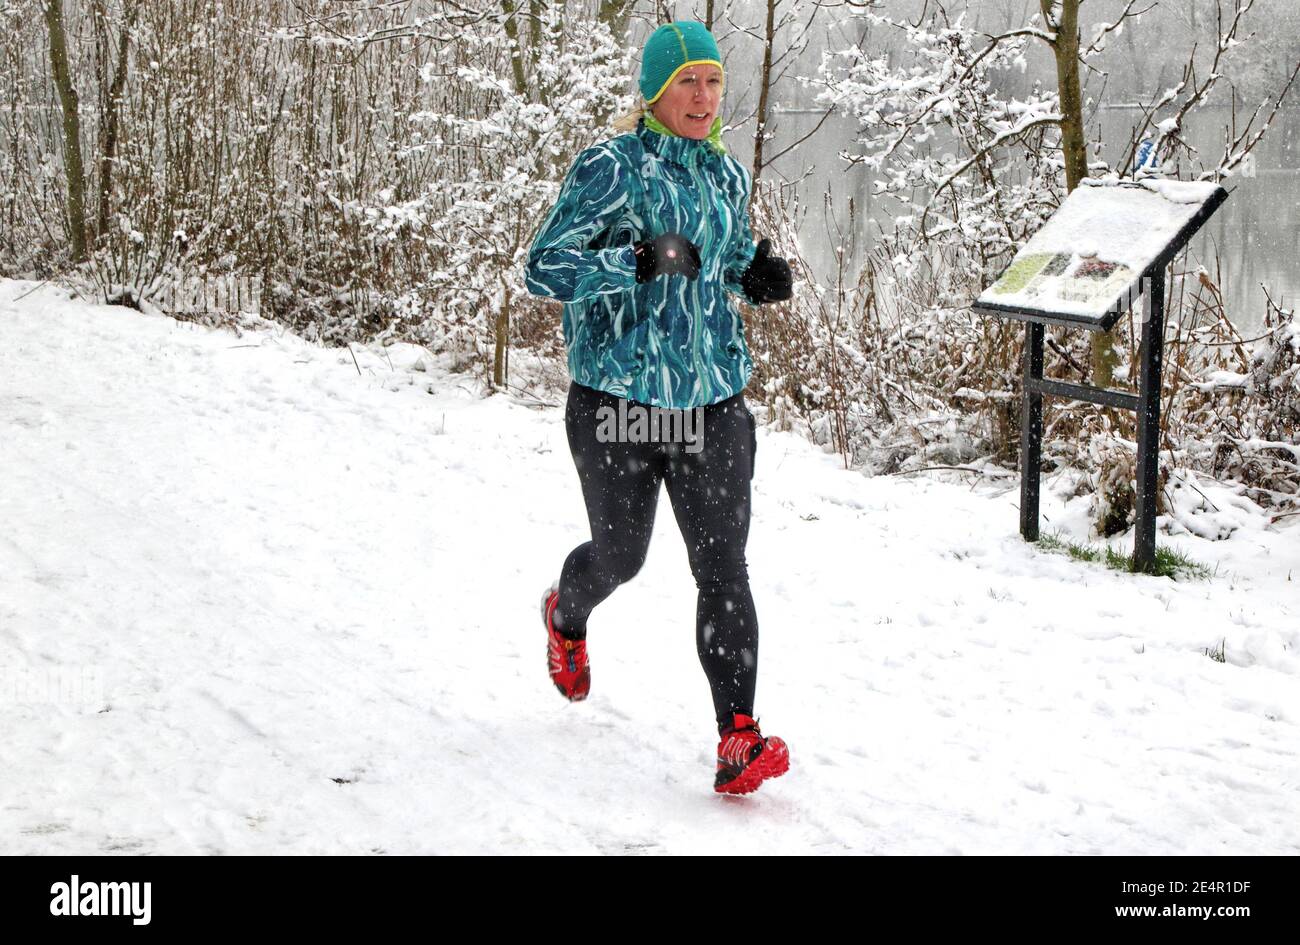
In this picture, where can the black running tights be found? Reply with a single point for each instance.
(709, 489)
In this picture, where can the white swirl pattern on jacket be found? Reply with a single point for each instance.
(672, 342)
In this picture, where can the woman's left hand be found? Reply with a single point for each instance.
(768, 278)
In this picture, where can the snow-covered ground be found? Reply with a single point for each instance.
(255, 601)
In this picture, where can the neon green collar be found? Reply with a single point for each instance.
(714, 139)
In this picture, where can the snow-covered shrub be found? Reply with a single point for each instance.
(967, 175)
(1237, 410)
(376, 167)
(478, 225)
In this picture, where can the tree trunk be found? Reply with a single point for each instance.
(536, 10)
(111, 118)
(614, 14)
(1074, 149)
(764, 92)
(501, 320)
(501, 352)
(509, 7)
(72, 165)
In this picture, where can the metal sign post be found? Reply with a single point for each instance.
(1084, 269)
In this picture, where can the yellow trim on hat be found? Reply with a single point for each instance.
(693, 62)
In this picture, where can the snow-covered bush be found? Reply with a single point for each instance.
(478, 224)
(375, 166)
(1239, 405)
(966, 173)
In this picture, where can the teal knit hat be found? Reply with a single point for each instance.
(672, 48)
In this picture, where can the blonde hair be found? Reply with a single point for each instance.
(629, 120)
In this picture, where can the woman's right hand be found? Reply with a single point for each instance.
(664, 255)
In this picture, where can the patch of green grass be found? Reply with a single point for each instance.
(1079, 552)
(1219, 655)
(1118, 561)
(1169, 563)
(1053, 542)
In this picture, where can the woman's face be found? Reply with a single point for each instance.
(689, 105)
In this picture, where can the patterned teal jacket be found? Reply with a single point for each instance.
(672, 342)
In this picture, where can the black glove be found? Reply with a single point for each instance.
(768, 278)
(665, 255)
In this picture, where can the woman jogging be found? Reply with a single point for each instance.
(647, 238)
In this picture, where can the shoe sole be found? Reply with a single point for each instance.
(546, 599)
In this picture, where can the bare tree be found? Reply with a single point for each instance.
(783, 38)
(112, 106)
(73, 169)
(1061, 18)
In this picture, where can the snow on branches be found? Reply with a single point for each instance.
(1166, 115)
(518, 116)
(939, 135)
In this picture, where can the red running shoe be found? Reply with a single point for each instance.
(566, 659)
(746, 759)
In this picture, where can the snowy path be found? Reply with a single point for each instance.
(233, 570)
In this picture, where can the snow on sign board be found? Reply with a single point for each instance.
(1086, 262)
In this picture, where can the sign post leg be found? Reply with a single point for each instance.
(1031, 431)
(1148, 421)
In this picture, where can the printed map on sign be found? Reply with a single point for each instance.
(1089, 257)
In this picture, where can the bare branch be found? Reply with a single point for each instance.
(998, 141)
(1097, 45)
(1226, 40)
(1049, 38)
(795, 144)
(1234, 153)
